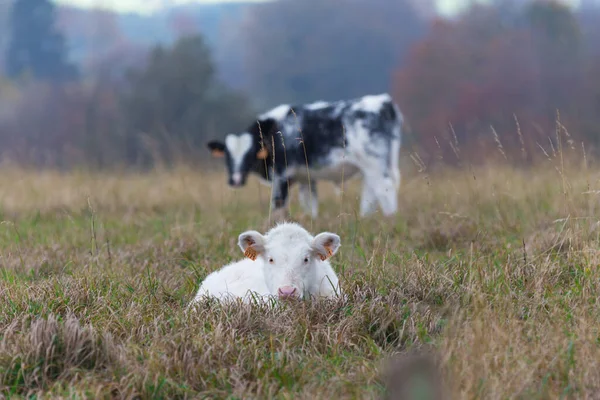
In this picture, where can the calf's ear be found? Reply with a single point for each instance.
(217, 149)
(326, 244)
(252, 244)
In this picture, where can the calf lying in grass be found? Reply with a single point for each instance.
(287, 262)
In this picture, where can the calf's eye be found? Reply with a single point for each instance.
(271, 261)
(305, 260)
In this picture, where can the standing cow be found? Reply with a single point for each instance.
(321, 141)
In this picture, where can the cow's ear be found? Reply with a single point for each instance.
(217, 149)
(262, 154)
(326, 244)
(252, 244)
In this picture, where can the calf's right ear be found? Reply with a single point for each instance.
(217, 149)
(326, 244)
(252, 244)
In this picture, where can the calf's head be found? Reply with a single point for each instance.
(291, 256)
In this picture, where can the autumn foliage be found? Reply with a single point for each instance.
(513, 79)
(500, 82)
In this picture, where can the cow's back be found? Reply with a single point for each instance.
(325, 133)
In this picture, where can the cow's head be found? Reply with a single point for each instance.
(244, 152)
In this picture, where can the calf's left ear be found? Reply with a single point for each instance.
(252, 244)
(326, 244)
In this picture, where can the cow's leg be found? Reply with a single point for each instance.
(368, 200)
(379, 185)
(337, 190)
(394, 157)
(307, 194)
(279, 196)
(386, 192)
(381, 173)
(388, 196)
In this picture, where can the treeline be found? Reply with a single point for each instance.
(131, 107)
(515, 80)
(494, 77)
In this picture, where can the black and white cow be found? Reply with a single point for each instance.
(321, 141)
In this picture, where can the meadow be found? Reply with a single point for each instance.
(492, 269)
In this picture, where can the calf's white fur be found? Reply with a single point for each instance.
(285, 262)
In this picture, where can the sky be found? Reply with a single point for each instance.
(149, 6)
(139, 6)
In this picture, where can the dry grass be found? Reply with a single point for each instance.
(493, 270)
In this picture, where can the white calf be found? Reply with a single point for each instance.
(286, 262)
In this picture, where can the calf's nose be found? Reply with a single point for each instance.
(286, 291)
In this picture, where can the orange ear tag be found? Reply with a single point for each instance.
(329, 254)
(251, 253)
(262, 154)
(217, 153)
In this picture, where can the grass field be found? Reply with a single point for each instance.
(494, 270)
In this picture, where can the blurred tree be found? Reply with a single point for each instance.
(9, 96)
(5, 7)
(300, 51)
(36, 46)
(488, 66)
(589, 15)
(176, 102)
(558, 47)
(182, 24)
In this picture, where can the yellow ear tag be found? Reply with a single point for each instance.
(251, 253)
(262, 154)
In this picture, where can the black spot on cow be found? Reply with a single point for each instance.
(322, 130)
